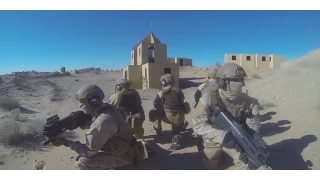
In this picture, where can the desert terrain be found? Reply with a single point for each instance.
(290, 108)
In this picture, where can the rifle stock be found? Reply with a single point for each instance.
(252, 144)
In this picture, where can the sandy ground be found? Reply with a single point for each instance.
(291, 123)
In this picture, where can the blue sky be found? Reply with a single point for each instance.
(48, 40)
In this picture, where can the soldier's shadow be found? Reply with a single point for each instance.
(267, 116)
(272, 128)
(165, 160)
(166, 137)
(286, 155)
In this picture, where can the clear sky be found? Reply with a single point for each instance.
(48, 40)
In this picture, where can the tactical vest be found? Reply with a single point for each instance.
(171, 99)
(129, 102)
(240, 109)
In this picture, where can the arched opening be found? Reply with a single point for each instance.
(151, 54)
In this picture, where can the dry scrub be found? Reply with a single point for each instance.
(67, 73)
(8, 103)
(19, 81)
(256, 76)
(55, 92)
(15, 130)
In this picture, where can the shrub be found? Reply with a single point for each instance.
(137, 84)
(15, 130)
(256, 76)
(8, 103)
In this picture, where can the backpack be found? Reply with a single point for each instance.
(129, 102)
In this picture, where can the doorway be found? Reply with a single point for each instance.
(167, 70)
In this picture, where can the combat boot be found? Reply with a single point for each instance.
(158, 130)
(175, 143)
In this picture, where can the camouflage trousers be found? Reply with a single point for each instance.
(212, 157)
(113, 159)
(103, 161)
(176, 120)
(136, 122)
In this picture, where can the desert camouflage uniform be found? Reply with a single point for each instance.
(109, 141)
(132, 107)
(243, 107)
(173, 117)
(169, 107)
(207, 86)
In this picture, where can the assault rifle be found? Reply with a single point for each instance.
(55, 126)
(251, 144)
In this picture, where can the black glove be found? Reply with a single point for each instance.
(229, 140)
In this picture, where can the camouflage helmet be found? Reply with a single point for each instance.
(89, 91)
(230, 71)
(212, 72)
(167, 78)
(124, 83)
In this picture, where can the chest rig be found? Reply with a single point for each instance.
(171, 99)
(240, 109)
(128, 102)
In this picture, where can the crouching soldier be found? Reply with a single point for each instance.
(109, 143)
(129, 101)
(169, 107)
(245, 109)
(208, 85)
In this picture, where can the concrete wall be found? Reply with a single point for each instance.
(156, 70)
(188, 62)
(176, 60)
(260, 63)
(133, 73)
(276, 61)
(171, 60)
(160, 53)
(256, 60)
(228, 58)
(247, 61)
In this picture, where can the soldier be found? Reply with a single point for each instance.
(230, 80)
(169, 107)
(109, 140)
(129, 101)
(209, 84)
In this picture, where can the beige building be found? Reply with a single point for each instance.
(250, 61)
(149, 62)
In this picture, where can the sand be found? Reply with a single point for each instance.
(289, 96)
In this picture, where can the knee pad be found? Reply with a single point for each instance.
(138, 132)
(210, 163)
(210, 159)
